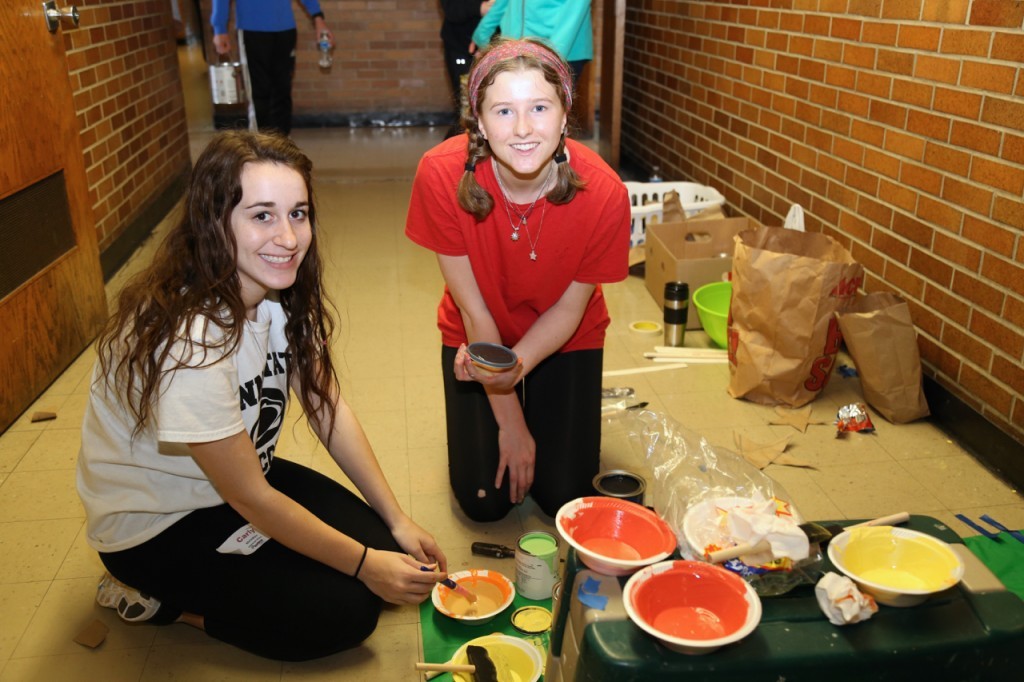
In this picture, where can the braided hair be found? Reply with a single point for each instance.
(506, 55)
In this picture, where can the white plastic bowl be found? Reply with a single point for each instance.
(494, 591)
(897, 566)
(612, 536)
(691, 606)
(518, 657)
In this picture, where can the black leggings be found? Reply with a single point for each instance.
(275, 602)
(271, 59)
(563, 412)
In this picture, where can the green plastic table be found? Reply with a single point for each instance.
(955, 635)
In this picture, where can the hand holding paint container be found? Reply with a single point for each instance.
(492, 356)
(536, 564)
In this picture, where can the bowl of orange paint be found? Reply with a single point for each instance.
(690, 606)
(614, 536)
(494, 593)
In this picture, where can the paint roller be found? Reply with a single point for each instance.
(816, 535)
(480, 666)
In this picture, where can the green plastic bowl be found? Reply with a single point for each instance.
(712, 301)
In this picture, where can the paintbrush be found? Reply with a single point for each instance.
(459, 589)
(454, 586)
(816, 535)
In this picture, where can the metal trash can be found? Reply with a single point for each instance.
(227, 83)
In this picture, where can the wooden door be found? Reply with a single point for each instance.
(52, 301)
(613, 38)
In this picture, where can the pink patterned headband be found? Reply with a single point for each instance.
(511, 49)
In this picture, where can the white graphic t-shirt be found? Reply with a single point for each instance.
(133, 489)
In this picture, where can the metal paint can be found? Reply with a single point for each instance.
(622, 484)
(536, 564)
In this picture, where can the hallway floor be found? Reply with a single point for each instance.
(386, 290)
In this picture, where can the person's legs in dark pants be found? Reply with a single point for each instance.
(270, 56)
(563, 410)
(274, 602)
(472, 446)
(457, 63)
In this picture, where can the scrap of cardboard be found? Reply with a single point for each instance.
(43, 416)
(761, 455)
(93, 634)
(798, 419)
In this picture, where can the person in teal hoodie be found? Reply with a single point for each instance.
(565, 24)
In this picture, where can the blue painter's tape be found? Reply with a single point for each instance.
(588, 596)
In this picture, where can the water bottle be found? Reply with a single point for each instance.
(655, 174)
(677, 300)
(325, 51)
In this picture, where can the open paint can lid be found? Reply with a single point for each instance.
(621, 484)
(531, 620)
(492, 355)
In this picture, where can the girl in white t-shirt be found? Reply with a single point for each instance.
(186, 502)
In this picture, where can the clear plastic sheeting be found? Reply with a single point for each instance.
(683, 470)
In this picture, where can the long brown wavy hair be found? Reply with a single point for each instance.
(472, 197)
(194, 277)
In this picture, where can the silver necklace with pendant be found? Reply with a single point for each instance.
(510, 206)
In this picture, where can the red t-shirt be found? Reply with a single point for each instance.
(586, 240)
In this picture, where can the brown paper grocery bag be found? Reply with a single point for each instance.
(881, 338)
(783, 334)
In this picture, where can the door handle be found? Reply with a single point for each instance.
(54, 15)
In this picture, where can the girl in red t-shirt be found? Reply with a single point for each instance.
(484, 202)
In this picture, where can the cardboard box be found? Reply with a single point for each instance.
(697, 252)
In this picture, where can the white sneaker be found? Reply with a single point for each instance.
(132, 605)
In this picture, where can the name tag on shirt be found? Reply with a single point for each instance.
(245, 540)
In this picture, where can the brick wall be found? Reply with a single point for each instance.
(897, 124)
(123, 65)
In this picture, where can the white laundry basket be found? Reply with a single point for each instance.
(645, 200)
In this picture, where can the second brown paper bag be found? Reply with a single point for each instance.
(883, 343)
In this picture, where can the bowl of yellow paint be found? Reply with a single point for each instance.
(514, 658)
(897, 566)
(494, 593)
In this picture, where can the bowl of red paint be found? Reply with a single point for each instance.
(614, 536)
(690, 606)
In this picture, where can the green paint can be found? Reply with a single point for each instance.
(536, 564)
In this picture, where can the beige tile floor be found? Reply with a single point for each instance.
(386, 290)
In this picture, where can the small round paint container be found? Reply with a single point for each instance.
(621, 484)
(536, 564)
(531, 620)
(492, 356)
(645, 327)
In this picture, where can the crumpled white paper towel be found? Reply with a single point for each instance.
(841, 601)
(759, 522)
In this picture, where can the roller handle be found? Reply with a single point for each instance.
(890, 520)
(445, 668)
(722, 555)
(728, 553)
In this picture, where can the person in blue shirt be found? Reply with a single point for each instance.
(565, 24)
(267, 37)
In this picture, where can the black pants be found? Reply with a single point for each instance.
(271, 60)
(457, 63)
(562, 408)
(275, 602)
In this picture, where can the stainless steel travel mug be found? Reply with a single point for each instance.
(677, 299)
